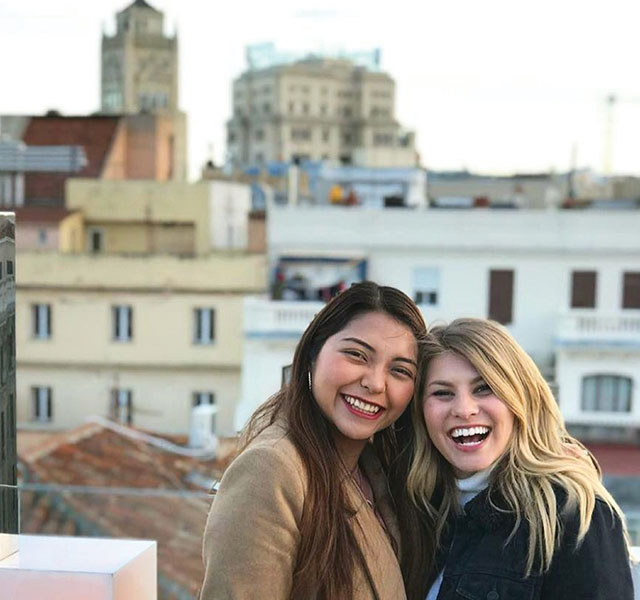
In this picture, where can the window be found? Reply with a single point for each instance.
(382, 139)
(325, 135)
(203, 325)
(426, 282)
(631, 290)
(122, 406)
(41, 319)
(583, 289)
(606, 393)
(9, 267)
(96, 240)
(501, 295)
(42, 407)
(203, 398)
(301, 134)
(122, 323)
(258, 134)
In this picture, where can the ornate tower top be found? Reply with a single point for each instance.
(140, 18)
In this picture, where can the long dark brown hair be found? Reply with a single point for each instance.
(328, 551)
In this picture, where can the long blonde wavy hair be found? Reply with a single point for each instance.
(540, 455)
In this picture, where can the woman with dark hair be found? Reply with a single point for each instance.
(305, 512)
(516, 504)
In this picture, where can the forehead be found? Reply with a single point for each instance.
(450, 366)
(380, 331)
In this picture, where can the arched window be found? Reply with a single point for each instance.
(606, 393)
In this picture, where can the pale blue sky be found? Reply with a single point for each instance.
(494, 86)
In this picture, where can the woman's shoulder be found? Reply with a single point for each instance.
(271, 453)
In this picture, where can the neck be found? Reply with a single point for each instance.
(350, 451)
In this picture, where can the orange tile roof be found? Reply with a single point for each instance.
(162, 502)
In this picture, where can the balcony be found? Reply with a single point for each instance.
(609, 331)
(277, 319)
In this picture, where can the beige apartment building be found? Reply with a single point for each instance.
(147, 217)
(317, 108)
(141, 339)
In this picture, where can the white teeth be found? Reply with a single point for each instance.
(361, 405)
(467, 431)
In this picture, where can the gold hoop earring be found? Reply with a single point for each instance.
(309, 378)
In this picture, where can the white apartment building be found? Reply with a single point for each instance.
(317, 108)
(566, 283)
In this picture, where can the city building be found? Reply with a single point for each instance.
(565, 282)
(139, 63)
(315, 108)
(140, 146)
(49, 228)
(142, 339)
(149, 217)
(8, 464)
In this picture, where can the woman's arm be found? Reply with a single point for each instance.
(599, 569)
(251, 538)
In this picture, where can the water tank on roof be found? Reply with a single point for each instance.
(201, 431)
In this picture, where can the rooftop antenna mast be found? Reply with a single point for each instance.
(607, 159)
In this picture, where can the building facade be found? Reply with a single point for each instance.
(566, 283)
(139, 63)
(143, 217)
(317, 108)
(8, 451)
(143, 340)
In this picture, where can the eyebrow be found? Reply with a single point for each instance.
(373, 350)
(449, 384)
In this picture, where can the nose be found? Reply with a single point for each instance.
(374, 380)
(464, 405)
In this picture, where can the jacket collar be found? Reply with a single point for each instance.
(490, 510)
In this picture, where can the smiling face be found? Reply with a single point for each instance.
(466, 421)
(363, 378)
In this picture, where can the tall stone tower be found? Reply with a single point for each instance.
(139, 64)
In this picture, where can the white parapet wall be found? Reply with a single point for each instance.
(71, 568)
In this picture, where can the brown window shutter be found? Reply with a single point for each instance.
(501, 295)
(631, 291)
(583, 289)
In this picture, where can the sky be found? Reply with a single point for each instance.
(498, 86)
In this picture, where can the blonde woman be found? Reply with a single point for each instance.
(515, 504)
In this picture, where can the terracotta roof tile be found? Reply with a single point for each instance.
(93, 456)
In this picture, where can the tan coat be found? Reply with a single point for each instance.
(252, 534)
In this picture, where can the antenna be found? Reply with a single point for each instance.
(607, 159)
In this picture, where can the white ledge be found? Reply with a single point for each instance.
(71, 568)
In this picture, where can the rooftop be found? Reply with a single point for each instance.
(92, 481)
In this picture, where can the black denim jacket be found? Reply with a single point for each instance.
(478, 565)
